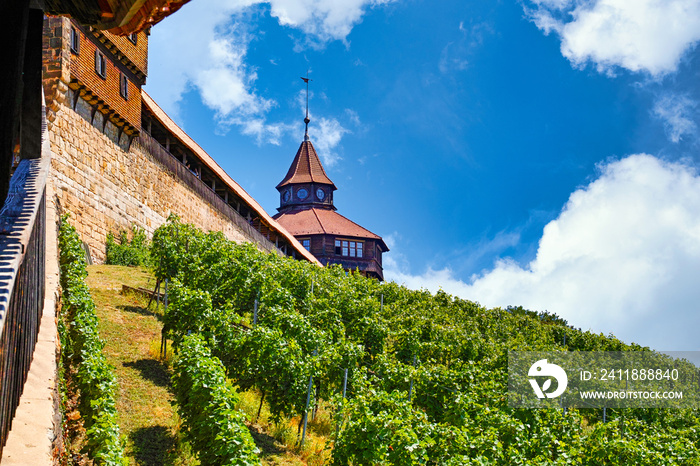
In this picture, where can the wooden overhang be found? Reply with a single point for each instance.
(119, 17)
(206, 160)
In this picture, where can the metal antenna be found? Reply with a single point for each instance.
(306, 120)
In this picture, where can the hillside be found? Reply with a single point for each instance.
(398, 376)
(427, 374)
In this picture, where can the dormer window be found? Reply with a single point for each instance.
(100, 64)
(133, 37)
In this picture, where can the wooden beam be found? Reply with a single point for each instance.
(92, 113)
(76, 96)
(30, 134)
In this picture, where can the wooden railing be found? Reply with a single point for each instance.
(22, 278)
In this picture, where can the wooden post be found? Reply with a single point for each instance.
(262, 397)
(306, 409)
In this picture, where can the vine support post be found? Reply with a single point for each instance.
(410, 388)
(163, 340)
(262, 398)
(345, 383)
(306, 409)
(255, 312)
(315, 410)
(605, 414)
(156, 290)
(342, 403)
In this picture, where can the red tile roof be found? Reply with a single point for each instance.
(306, 168)
(315, 221)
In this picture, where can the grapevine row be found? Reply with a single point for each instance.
(82, 349)
(427, 372)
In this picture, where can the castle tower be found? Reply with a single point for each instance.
(308, 213)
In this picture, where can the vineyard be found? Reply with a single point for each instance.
(411, 377)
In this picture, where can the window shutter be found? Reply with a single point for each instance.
(97, 62)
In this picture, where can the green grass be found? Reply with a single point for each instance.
(147, 416)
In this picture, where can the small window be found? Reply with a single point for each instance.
(100, 64)
(123, 86)
(133, 37)
(337, 246)
(74, 40)
(307, 244)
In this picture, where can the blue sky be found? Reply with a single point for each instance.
(539, 153)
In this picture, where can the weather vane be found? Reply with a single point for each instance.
(306, 120)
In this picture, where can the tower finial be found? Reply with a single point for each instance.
(306, 120)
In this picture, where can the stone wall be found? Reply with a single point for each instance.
(106, 185)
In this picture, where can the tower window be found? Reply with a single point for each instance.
(133, 37)
(74, 40)
(349, 248)
(100, 64)
(123, 86)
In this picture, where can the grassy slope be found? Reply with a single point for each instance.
(147, 418)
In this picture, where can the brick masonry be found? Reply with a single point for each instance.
(136, 53)
(105, 186)
(100, 174)
(105, 89)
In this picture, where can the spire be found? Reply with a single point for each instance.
(306, 168)
(306, 120)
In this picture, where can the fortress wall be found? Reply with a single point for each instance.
(105, 185)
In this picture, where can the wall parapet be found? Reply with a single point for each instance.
(169, 162)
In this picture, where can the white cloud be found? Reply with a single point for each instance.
(322, 20)
(639, 35)
(204, 46)
(678, 113)
(326, 136)
(623, 257)
(454, 55)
